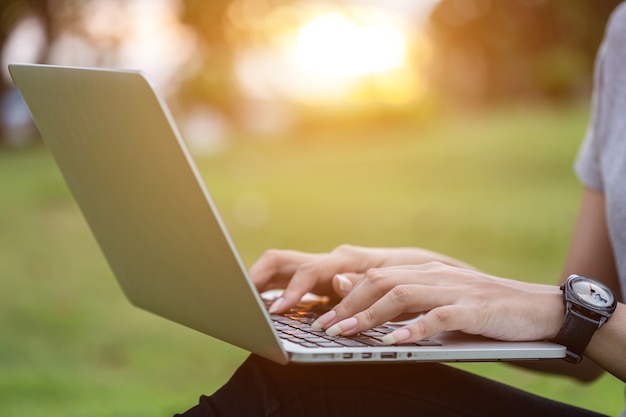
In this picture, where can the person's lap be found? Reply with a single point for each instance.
(263, 388)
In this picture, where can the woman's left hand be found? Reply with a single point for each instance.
(449, 298)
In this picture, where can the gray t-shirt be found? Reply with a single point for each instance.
(601, 163)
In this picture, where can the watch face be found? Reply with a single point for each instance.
(592, 293)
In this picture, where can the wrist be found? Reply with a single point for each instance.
(558, 314)
(588, 305)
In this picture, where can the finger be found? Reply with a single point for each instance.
(378, 313)
(431, 273)
(275, 268)
(437, 320)
(343, 283)
(400, 299)
(316, 274)
(416, 288)
(375, 285)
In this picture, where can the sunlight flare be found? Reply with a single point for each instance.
(336, 45)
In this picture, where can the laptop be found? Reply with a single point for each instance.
(143, 198)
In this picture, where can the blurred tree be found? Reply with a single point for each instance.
(13, 12)
(59, 20)
(224, 26)
(485, 50)
(489, 50)
(220, 25)
(212, 81)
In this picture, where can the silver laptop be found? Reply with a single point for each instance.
(126, 165)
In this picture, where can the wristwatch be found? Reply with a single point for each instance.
(588, 305)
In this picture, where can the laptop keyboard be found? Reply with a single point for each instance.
(295, 326)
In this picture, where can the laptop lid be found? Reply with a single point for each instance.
(119, 151)
(138, 189)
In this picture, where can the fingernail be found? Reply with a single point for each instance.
(342, 326)
(276, 305)
(323, 320)
(344, 283)
(397, 336)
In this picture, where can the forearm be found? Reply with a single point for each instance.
(590, 254)
(608, 343)
(605, 352)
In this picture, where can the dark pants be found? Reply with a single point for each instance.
(263, 388)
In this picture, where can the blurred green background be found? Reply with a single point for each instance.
(475, 162)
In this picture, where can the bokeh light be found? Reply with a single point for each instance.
(327, 55)
(336, 45)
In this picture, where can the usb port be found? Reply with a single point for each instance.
(390, 355)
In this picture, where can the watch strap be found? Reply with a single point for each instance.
(575, 334)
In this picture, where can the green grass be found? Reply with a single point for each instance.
(495, 189)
